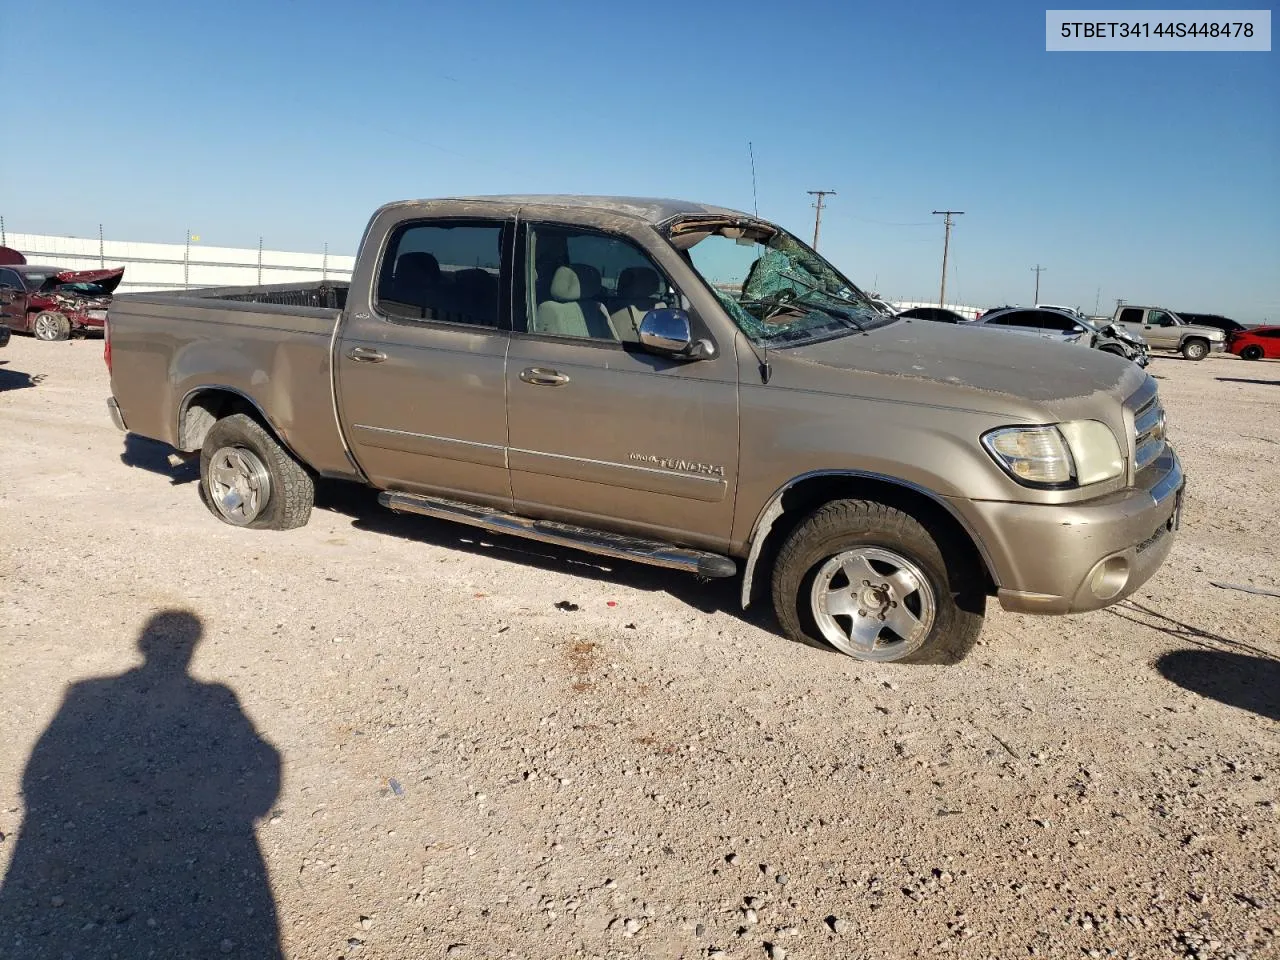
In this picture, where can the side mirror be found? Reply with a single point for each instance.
(7, 294)
(1076, 328)
(667, 331)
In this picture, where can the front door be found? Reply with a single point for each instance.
(421, 364)
(1161, 330)
(13, 300)
(603, 433)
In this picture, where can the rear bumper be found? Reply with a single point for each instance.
(1071, 559)
(116, 416)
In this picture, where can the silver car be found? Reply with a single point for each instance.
(1066, 326)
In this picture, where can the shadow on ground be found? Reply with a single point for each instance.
(138, 836)
(154, 456)
(1261, 383)
(16, 379)
(1248, 682)
(709, 596)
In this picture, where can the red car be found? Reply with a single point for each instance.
(1256, 343)
(51, 303)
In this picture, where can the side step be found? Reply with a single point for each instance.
(653, 552)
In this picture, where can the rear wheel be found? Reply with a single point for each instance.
(1195, 349)
(1251, 352)
(51, 326)
(249, 480)
(873, 583)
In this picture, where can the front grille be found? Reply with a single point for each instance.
(1148, 430)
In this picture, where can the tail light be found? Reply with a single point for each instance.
(106, 342)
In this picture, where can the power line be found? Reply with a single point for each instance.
(1037, 270)
(946, 244)
(817, 217)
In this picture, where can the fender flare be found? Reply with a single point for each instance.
(234, 391)
(774, 509)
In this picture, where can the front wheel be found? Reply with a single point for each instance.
(1195, 349)
(248, 479)
(1251, 352)
(872, 582)
(51, 326)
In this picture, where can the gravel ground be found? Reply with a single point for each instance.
(391, 743)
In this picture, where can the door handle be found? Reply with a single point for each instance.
(541, 377)
(366, 355)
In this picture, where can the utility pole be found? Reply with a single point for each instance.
(817, 217)
(946, 244)
(1037, 270)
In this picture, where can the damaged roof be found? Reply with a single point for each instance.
(650, 209)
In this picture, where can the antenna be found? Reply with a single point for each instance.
(755, 203)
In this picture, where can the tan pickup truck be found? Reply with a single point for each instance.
(675, 384)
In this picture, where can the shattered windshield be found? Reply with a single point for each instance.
(775, 288)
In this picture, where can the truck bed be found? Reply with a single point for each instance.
(268, 346)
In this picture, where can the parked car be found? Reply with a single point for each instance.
(52, 303)
(936, 314)
(1165, 330)
(561, 368)
(1066, 327)
(884, 306)
(1257, 343)
(1225, 324)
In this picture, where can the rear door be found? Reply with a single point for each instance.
(603, 433)
(421, 363)
(1133, 319)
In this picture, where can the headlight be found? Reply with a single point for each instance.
(1073, 454)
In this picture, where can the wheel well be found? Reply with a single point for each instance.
(206, 408)
(806, 496)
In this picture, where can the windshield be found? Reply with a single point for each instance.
(775, 288)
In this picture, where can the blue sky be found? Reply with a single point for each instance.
(1152, 177)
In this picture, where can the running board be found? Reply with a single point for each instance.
(653, 552)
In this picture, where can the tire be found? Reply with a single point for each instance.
(1194, 348)
(895, 547)
(247, 479)
(1251, 352)
(50, 326)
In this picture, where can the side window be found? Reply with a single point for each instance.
(1056, 322)
(1015, 318)
(582, 284)
(10, 279)
(1131, 315)
(447, 272)
(1158, 318)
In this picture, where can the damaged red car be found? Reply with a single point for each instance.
(51, 303)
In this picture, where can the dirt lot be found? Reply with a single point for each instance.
(436, 761)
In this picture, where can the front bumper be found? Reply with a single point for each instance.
(1071, 558)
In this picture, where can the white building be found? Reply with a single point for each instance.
(175, 266)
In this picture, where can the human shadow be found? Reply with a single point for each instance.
(1248, 682)
(1261, 383)
(709, 596)
(15, 380)
(154, 456)
(138, 837)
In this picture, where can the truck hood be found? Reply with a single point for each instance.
(964, 366)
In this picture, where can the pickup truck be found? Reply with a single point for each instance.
(1165, 330)
(676, 384)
